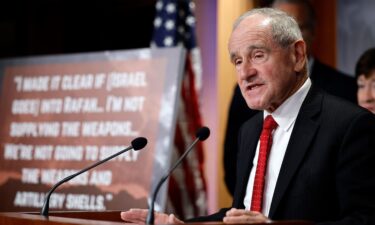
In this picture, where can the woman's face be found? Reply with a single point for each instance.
(366, 91)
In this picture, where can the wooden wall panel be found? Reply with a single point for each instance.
(325, 44)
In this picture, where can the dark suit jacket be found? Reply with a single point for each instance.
(333, 81)
(328, 172)
(323, 76)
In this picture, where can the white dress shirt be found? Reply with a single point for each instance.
(285, 116)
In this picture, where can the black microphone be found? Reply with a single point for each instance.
(201, 135)
(136, 144)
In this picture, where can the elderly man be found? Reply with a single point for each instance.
(323, 76)
(307, 155)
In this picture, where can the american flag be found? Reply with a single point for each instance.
(174, 24)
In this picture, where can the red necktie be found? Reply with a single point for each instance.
(269, 125)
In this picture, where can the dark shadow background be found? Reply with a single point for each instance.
(43, 27)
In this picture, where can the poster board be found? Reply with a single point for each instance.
(60, 114)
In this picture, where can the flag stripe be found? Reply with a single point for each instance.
(174, 25)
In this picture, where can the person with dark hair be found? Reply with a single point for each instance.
(306, 155)
(365, 75)
(324, 76)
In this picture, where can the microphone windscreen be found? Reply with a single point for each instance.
(139, 143)
(203, 133)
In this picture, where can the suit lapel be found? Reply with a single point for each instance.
(249, 140)
(303, 133)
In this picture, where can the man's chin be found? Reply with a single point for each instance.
(255, 106)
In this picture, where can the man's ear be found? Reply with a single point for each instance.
(299, 55)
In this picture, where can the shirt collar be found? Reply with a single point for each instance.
(286, 114)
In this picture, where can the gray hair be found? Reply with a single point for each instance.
(284, 28)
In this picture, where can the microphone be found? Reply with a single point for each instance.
(201, 135)
(137, 144)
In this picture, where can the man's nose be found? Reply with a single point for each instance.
(246, 70)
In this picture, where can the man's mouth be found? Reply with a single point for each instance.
(254, 86)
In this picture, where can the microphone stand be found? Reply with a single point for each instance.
(138, 144)
(150, 216)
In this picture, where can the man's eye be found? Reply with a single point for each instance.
(237, 62)
(258, 57)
